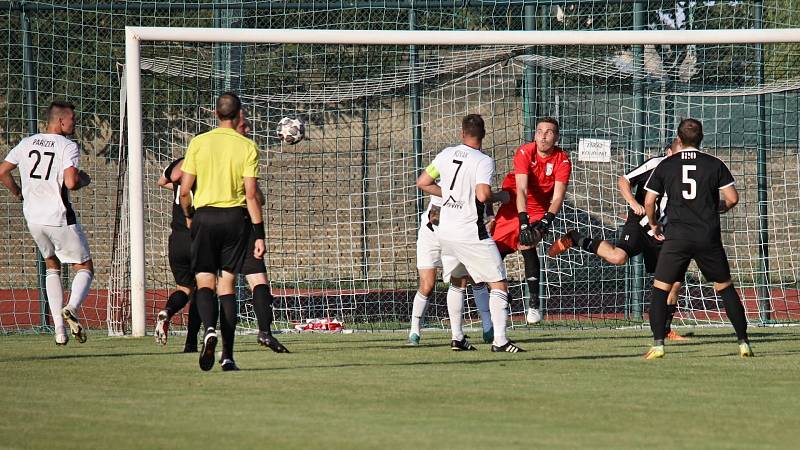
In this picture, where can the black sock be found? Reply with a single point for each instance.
(735, 312)
(262, 305)
(176, 301)
(590, 245)
(658, 314)
(670, 313)
(207, 307)
(194, 324)
(227, 323)
(532, 269)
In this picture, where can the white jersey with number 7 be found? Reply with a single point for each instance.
(460, 169)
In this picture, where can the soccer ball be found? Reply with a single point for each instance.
(291, 130)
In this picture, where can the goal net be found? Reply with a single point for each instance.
(342, 211)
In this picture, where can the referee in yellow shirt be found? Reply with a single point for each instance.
(222, 165)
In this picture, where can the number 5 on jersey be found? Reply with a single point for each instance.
(687, 179)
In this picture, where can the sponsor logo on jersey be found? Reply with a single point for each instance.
(453, 203)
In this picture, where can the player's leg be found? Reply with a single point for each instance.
(206, 251)
(72, 248)
(427, 280)
(672, 307)
(455, 310)
(55, 297)
(532, 272)
(610, 253)
(481, 293)
(672, 263)
(192, 327)
(713, 263)
(263, 306)
(179, 251)
(229, 317)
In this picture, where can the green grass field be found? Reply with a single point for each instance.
(587, 389)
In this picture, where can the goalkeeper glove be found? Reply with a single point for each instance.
(526, 231)
(543, 225)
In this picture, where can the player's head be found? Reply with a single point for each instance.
(690, 133)
(229, 107)
(472, 127)
(547, 131)
(61, 118)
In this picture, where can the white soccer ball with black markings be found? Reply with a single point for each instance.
(291, 130)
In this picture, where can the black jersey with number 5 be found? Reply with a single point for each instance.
(692, 180)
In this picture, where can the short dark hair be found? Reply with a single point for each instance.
(691, 132)
(549, 120)
(228, 106)
(57, 108)
(472, 125)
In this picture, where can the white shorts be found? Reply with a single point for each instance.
(429, 252)
(67, 242)
(480, 259)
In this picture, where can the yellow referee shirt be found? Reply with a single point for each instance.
(220, 159)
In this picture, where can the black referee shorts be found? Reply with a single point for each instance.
(676, 255)
(635, 240)
(180, 258)
(219, 239)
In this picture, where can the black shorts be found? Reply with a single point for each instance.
(180, 258)
(635, 240)
(219, 239)
(251, 264)
(676, 255)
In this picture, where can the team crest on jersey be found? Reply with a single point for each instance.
(548, 169)
(453, 203)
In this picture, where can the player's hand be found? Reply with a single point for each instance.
(542, 226)
(658, 231)
(189, 223)
(722, 206)
(527, 234)
(260, 249)
(637, 208)
(433, 215)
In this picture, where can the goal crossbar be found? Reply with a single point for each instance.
(134, 36)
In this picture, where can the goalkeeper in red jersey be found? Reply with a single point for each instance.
(538, 185)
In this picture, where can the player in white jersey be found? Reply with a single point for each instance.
(48, 165)
(466, 175)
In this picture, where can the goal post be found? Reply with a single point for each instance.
(135, 36)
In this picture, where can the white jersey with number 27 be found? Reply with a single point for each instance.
(42, 159)
(460, 169)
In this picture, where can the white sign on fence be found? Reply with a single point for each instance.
(594, 150)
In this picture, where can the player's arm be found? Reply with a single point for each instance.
(650, 209)
(522, 193)
(74, 179)
(483, 192)
(254, 200)
(165, 183)
(624, 185)
(729, 198)
(171, 175)
(185, 196)
(499, 196)
(8, 180)
(426, 181)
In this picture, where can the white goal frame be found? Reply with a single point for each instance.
(134, 36)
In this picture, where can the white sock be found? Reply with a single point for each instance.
(80, 288)
(481, 293)
(417, 312)
(498, 304)
(455, 308)
(55, 298)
